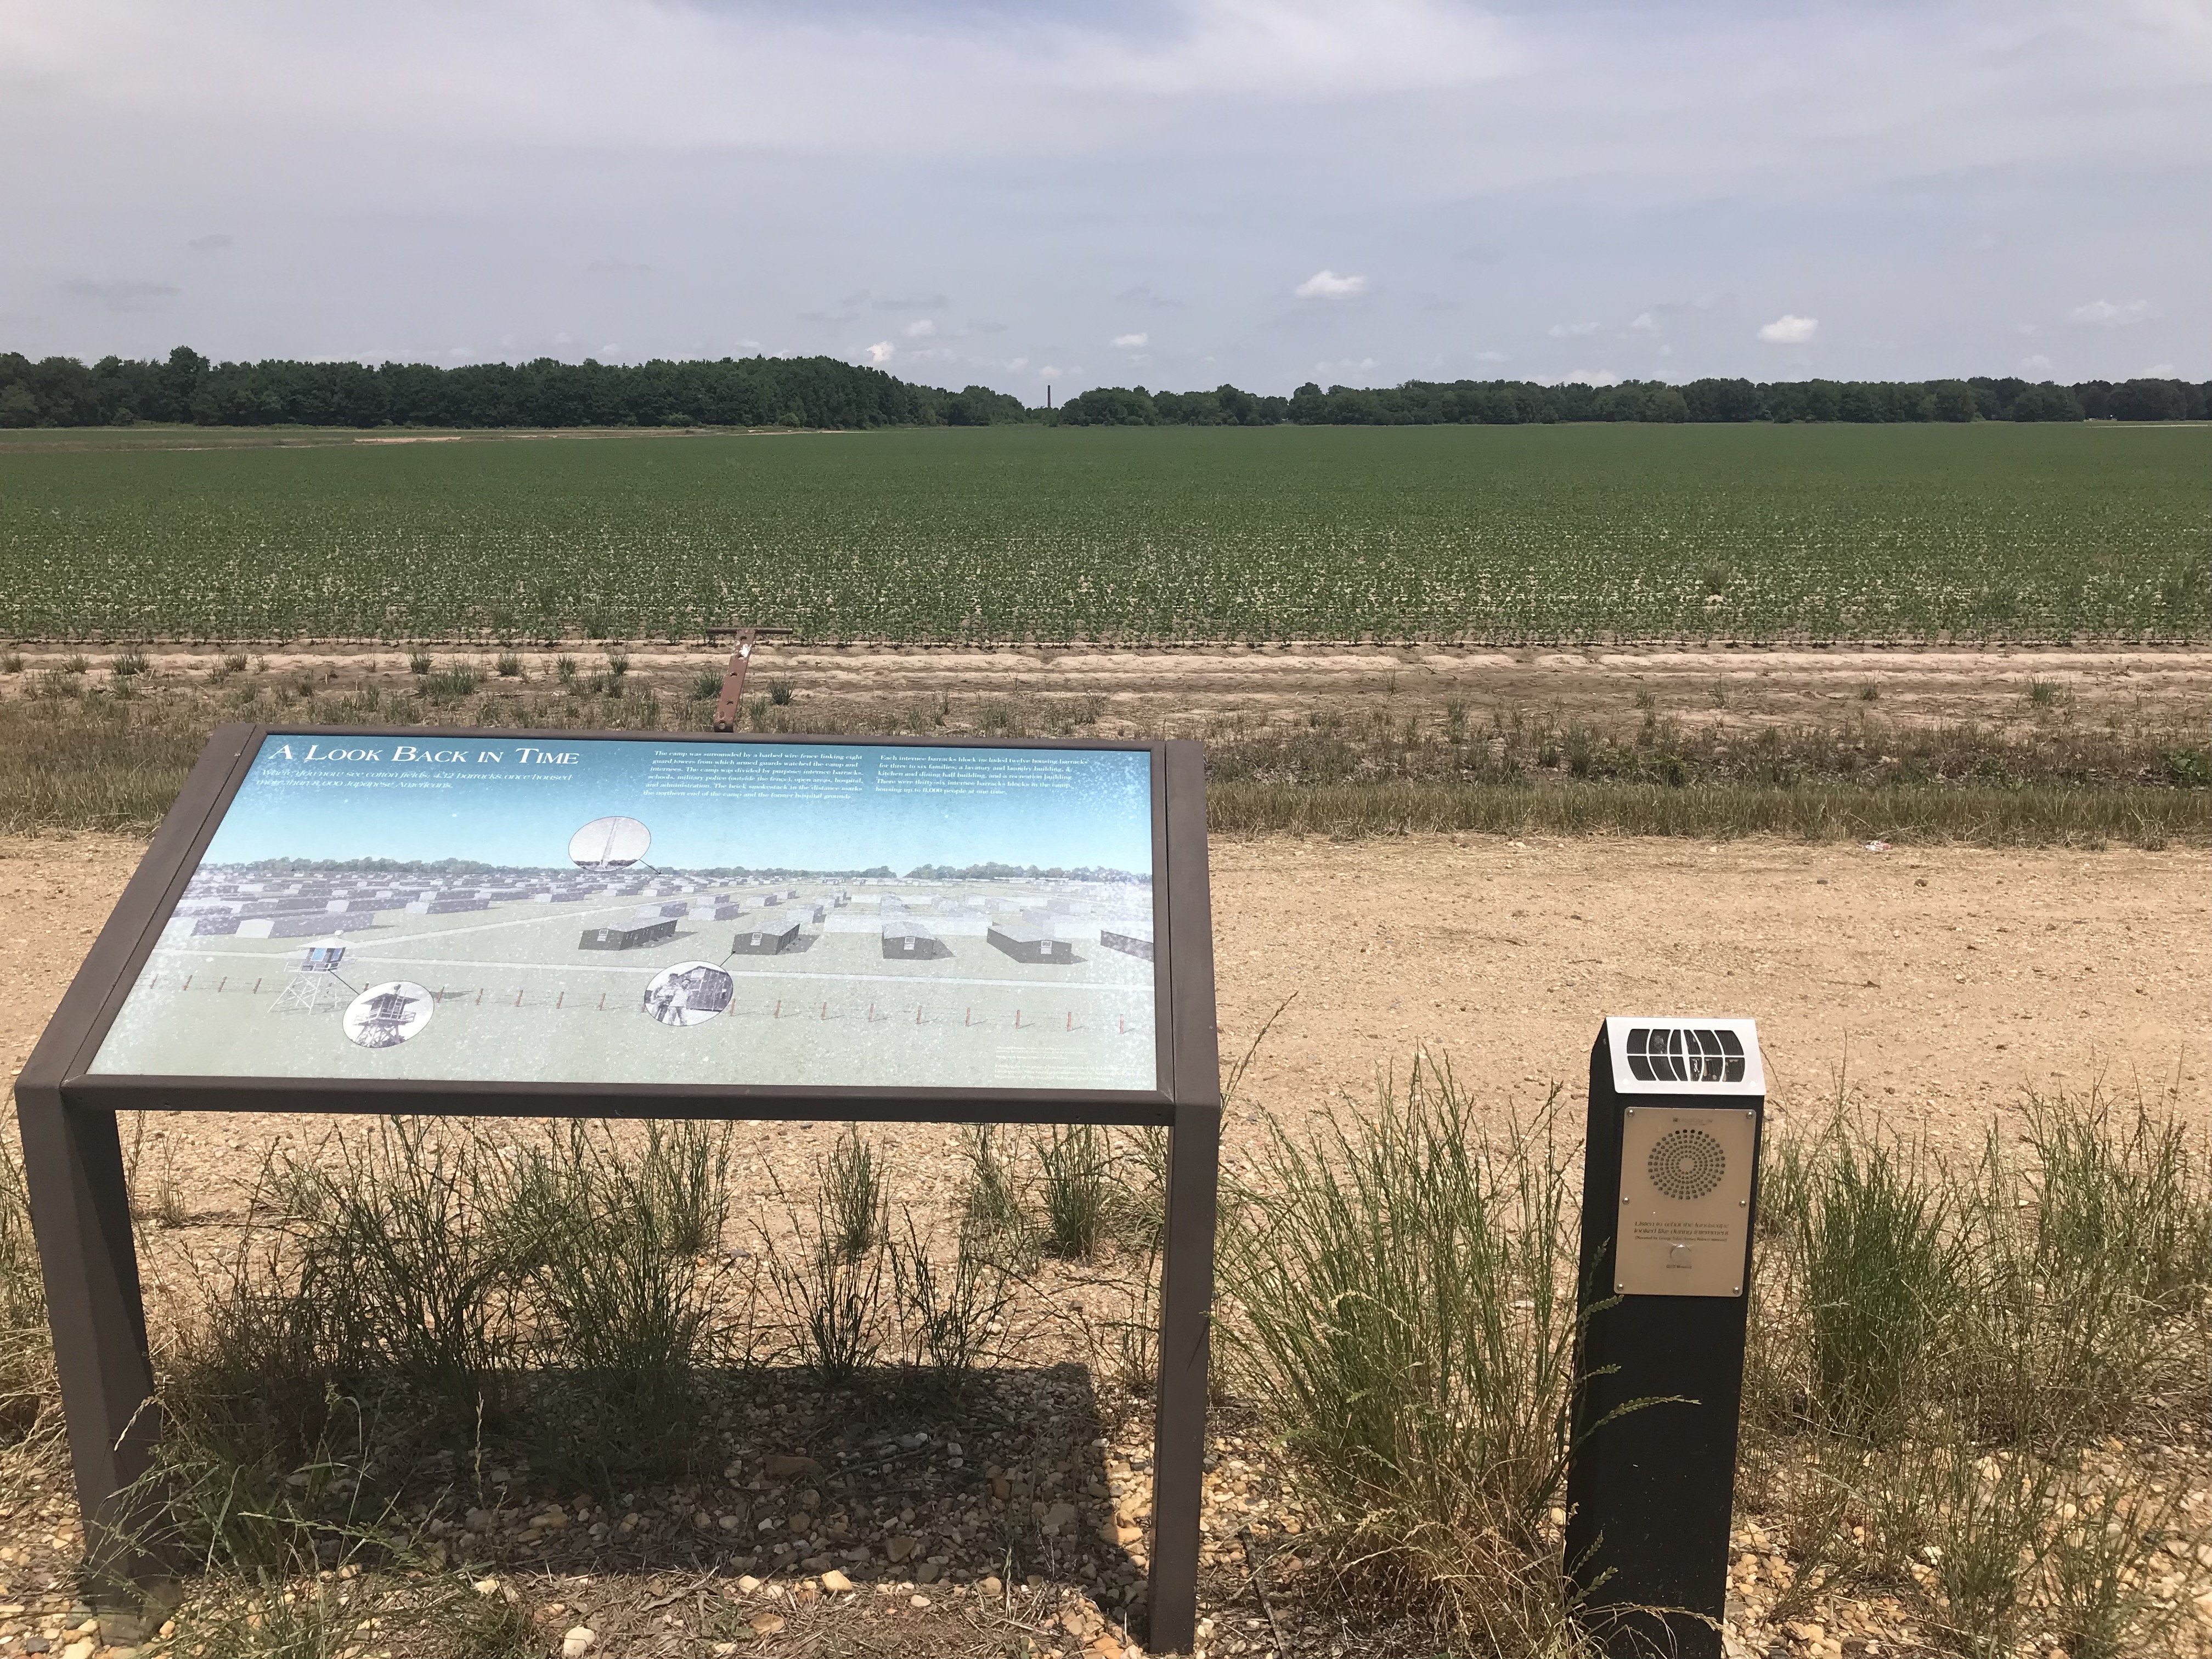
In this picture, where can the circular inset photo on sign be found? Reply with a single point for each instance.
(1687, 1164)
(608, 844)
(690, 993)
(386, 1016)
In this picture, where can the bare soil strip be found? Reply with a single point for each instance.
(1944, 984)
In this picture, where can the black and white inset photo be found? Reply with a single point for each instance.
(384, 1015)
(608, 844)
(688, 994)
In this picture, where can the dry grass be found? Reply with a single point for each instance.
(88, 758)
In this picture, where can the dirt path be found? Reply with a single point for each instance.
(1953, 981)
(1137, 691)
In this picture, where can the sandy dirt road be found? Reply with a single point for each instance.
(1183, 691)
(1950, 983)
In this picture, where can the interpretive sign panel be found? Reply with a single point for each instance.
(641, 925)
(592, 910)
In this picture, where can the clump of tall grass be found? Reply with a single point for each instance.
(1872, 1291)
(626, 1284)
(951, 1315)
(454, 680)
(853, 1202)
(991, 1205)
(1403, 1304)
(1076, 1168)
(1943, 1353)
(26, 1386)
(834, 1303)
(570, 1295)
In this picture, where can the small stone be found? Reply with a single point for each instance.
(786, 1466)
(836, 1581)
(82, 1648)
(901, 1549)
(917, 1600)
(486, 1587)
(1104, 1647)
(748, 1584)
(577, 1641)
(1057, 1517)
(766, 1624)
(990, 1586)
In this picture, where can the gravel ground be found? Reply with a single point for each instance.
(1943, 985)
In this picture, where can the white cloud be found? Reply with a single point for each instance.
(1346, 366)
(1787, 329)
(1490, 357)
(2103, 313)
(881, 353)
(921, 330)
(1327, 285)
(1592, 377)
(2036, 364)
(1131, 341)
(1571, 331)
(2159, 372)
(1645, 323)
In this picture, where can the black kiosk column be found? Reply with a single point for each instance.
(1669, 1185)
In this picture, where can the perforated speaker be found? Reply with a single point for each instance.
(1687, 1164)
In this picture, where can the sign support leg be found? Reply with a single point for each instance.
(1186, 1334)
(80, 1214)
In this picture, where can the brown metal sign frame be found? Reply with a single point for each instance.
(81, 1213)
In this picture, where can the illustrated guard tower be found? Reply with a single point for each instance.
(314, 979)
(383, 1023)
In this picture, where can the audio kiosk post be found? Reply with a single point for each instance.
(1670, 1179)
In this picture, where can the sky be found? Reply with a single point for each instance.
(497, 800)
(1169, 192)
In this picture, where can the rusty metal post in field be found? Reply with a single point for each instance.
(743, 639)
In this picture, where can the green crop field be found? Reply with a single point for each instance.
(1502, 535)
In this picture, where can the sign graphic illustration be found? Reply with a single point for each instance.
(610, 844)
(386, 1016)
(855, 914)
(690, 993)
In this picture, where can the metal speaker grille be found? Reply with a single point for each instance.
(1687, 1164)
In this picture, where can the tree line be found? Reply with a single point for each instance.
(1517, 402)
(802, 391)
(823, 391)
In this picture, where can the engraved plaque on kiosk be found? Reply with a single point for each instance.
(1685, 1199)
(1687, 1154)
